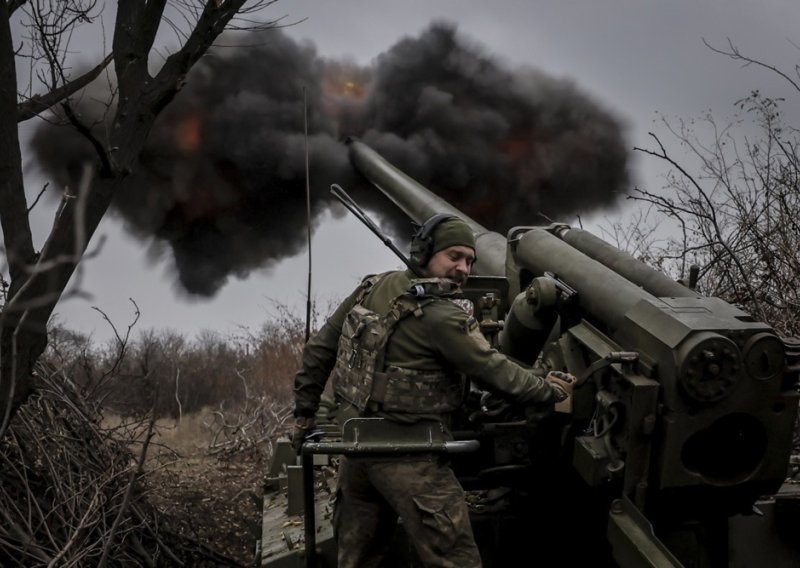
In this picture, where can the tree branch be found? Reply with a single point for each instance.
(210, 24)
(13, 5)
(105, 163)
(40, 103)
(736, 55)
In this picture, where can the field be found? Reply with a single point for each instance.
(214, 500)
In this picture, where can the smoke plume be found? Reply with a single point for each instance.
(222, 179)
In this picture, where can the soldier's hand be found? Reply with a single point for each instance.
(562, 384)
(302, 425)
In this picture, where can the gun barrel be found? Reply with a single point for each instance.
(655, 282)
(419, 203)
(603, 293)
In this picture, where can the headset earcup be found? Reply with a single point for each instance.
(422, 241)
(419, 252)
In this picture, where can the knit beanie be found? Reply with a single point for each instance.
(452, 232)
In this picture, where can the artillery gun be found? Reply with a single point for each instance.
(676, 448)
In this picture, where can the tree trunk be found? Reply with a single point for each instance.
(39, 280)
(16, 234)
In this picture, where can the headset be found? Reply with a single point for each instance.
(422, 241)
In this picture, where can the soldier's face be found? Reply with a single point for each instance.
(453, 262)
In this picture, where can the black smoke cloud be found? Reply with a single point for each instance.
(222, 179)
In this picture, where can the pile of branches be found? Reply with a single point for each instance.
(70, 491)
(251, 429)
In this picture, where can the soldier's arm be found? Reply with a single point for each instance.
(319, 358)
(457, 338)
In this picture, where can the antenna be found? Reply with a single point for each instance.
(348, 202)
(308, 219)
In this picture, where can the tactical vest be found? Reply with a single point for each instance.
(359, 375)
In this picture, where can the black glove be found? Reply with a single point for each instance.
(562, 384)
(302, 426)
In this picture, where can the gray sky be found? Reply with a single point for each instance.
(638, 58)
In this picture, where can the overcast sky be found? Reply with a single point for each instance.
(637, 58)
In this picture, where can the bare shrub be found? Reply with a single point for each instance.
(252, 428)
(731, 205)
(275, 352)
(68, 494)
(271, 358)
(241, 382)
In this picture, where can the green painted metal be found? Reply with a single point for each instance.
(684, 415)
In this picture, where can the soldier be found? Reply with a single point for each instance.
(399, 347)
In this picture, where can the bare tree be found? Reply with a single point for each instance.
(737, 208)
(37, 279)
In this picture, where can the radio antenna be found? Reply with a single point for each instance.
(353, 207)
(308, 219)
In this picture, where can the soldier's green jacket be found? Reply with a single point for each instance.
(445, 337)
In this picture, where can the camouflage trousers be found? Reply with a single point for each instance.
(426, 495)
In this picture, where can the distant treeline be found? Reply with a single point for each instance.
(172, 374)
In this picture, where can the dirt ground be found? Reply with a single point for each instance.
(215, 502)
